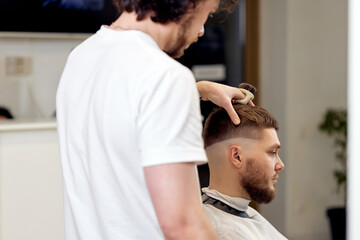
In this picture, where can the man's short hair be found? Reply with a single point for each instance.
(219, 127)
(166, 10)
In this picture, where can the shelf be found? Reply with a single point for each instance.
(36, 35)
(27, 125)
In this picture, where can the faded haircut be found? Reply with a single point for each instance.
(219, 127)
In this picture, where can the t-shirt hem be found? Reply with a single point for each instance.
(154, 158)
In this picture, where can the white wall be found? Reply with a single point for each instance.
(33, 95)
(31, 204)
(303, 72)
(353, 217)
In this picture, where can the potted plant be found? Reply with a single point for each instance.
(334, 124)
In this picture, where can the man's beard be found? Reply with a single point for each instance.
(178, 50)
(257, 184)
(179, 47)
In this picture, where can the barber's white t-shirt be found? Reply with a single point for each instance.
(122, 105)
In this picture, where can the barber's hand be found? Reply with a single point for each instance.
(221, 95)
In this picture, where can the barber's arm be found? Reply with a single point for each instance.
(174, 190)
(221, 95)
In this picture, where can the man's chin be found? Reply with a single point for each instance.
(263, 195)
(175, 54)
(178, 55)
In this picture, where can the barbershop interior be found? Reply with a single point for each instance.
(300, 56)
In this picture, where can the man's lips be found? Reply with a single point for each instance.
(275, 179)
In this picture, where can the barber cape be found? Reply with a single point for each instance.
(233, 218)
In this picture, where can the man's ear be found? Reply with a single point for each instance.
(235, 156)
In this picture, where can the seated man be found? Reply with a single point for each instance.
(244, 166)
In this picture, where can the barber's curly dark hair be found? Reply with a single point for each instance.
(166, 10)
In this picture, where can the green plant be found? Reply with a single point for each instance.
(334, 124)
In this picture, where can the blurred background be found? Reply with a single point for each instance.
(293, 51)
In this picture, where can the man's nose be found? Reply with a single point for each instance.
(201, 32)
(279, 165)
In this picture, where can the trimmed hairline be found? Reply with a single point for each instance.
(243, 137)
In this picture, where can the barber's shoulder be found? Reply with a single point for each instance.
(179, 74)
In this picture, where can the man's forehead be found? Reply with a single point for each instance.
(270, 134)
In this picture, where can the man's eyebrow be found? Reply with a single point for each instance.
(276, 145)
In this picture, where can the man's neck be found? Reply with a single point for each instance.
(228, 187)
(159, 32)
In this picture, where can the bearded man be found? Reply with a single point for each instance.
(244, 166)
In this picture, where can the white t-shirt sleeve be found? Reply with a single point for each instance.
(169, 119)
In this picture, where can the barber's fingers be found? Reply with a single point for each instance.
(248, 97)
(250, 103)
(232, 113)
